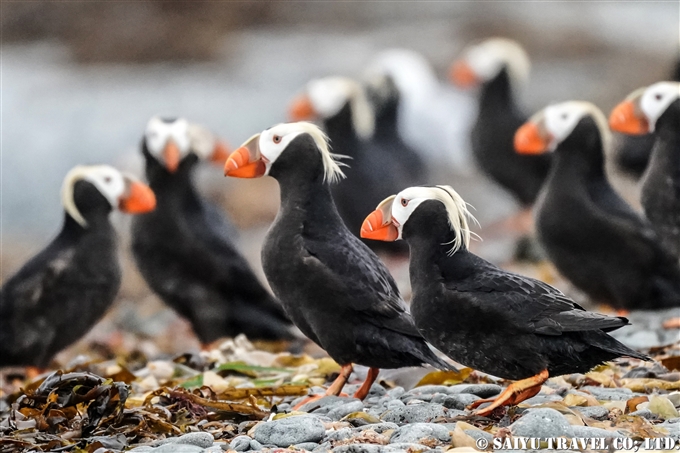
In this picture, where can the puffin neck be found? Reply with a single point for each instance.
(72, 230)
(581, 153)
(667, 126)
(497, 93)
(386, 121)
(307, 198)
(341, 131)
(171, 187)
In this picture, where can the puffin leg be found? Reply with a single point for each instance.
(366, 386)
(515, 393)
(334, 389)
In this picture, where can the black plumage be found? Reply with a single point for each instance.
(497, 322)
(661, 184)
(61, 293)
(185, 253)
(594, 238)
(379, 164)
(333, 287)
(492, 137)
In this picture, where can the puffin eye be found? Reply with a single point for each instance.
(107, 179)
(276, 139)
(658, 97)
(564, 116)
(404, 202)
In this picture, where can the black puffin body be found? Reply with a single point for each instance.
(61, 293)
(380, 162)
(592, 236)
(332, 286)
(185, 254)
(660, 194)
(497, 322)
(499, 117)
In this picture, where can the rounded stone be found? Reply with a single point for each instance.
(309, 446)
(590, 432)
(203, 440)
(542, 423)
(419, 413)
(342, 410)
(414, 432)
(460, 401)
(595, 412)
(481, 390)
(290, 431)
(240, 443)
(178, 448)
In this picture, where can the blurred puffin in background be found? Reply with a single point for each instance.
(630, 156)
(593, 237)
(500, 323)
(365, 132)
(499, 67)
(434, 118)
(333, 287)
(184, 250)
(655, 110)
(61, 293)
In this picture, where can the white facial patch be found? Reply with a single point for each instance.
(202, 140)
(330, 94)
(109, 181)
(276, 139)
(408, 200)
(158, 132)
(488, 58)
(561, 119)
(656, 99)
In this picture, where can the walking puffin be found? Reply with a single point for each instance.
(593, 237)
(61, 293)
(184, 248)
(333, 287)
(500, 323)
(365, 132)
(656, 110)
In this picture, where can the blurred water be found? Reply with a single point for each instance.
(57, 114)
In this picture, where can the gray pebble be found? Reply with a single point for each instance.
(178, 448)
(240, 443)
(477, 434)
(542, 399)
(255, 445)
(642, 339)
(594, 412)
(396, 392)
(201, 439)
(283, 407)
(416, 431)
(429, 389)
(323, 405)
(542, 423)
(590, 432)
(358, 448)
(213, 449)
(340, 434)
(336, 413)
(393, 404)
(422, 413)
(323, 448)
(645, 413)
(460, 401)
(376, 390)
(309, 446)
(378, 427)
(290, 431)
(481, 390)
(609, 394)
(142, 449)
(405, 447)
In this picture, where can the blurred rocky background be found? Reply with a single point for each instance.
(80, 80)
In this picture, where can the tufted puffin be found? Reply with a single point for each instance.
(367, 133)
(592, 236)
(184, 248)
(333, 287)
(60, 293)
(499, 66)
(504, 324)
(656, 109)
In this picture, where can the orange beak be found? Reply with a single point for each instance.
(530, 140)
(462, 75)
(625, 119)
(246, 162)
(301, 109)
(139, 199)
(379, 225)
(171, 156)
(220, 153)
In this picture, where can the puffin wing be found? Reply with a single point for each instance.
(357, 272)
(530, 305)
